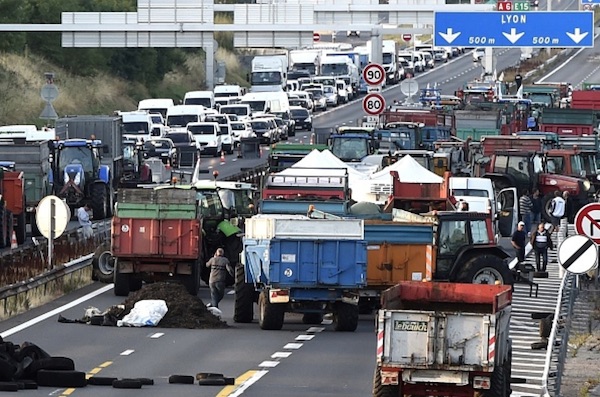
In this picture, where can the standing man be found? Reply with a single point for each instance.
(558, 207)
(83, 217)
(541, 241)
(518, 241)
(536, 207)
(219, 267)
(525, 206)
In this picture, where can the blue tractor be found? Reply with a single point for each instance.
(78, 177)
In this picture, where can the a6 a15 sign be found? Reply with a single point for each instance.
(504, 6)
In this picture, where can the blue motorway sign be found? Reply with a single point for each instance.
(514, 29)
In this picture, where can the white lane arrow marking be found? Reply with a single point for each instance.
(577, 36)
(513, 36)
(449, 36)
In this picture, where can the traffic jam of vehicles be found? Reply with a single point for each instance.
(400, 215)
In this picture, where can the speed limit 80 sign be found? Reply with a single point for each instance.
(373, 104)
(374, 74)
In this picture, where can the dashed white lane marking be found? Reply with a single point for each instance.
(293, 346)
(156, 335)
(269, 364)
(304, 337)
(281, 354)
(127, 352)
(314, 330)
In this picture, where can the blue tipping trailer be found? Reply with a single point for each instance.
(302, 265)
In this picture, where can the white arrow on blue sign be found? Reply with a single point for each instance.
(514, 29)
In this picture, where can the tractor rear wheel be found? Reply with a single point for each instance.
(100, 201)
(103, 264)
(121, 281)
(485, 269)
(243, 311)
(380, 390)
(345, 317)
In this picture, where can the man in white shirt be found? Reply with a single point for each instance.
(558, 209)
(84, 220)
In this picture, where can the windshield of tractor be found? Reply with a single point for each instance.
(242, 200)
(556, 165)
(452, 236)
(589, 163)
(77, 155)
(210, 204)
(347, 149)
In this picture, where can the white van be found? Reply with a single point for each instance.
(179, 116)
(226, 90)
(207, 136)
(156, 105)
(265, 102)
(242, 111)
(204, 98)
(138, 125)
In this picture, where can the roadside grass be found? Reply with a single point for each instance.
(587, 386)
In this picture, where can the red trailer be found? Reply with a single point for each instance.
(12, 206)
(585, 99)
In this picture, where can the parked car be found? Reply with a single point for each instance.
(302, 118)
(162, 148)
(239, 130)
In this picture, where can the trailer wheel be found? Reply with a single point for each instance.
(121, 281)
(243, 311)
(345, 317)
(103, 264)
(99, 201)
(380, 390)
(192, 282)
(485, 269)
(271, 315)
(312, 318)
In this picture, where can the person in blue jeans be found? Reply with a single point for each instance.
(541, 241)
(219, 267)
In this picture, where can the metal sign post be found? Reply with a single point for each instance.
(52, 227)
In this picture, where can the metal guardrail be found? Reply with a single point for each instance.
(29, 262)
(558, 341)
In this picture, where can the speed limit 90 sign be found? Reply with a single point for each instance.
(374, 74)
(373, 104)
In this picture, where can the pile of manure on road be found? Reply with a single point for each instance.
(184, 310)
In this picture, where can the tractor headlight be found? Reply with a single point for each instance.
(586, 185)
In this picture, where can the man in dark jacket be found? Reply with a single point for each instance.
(219, 267)
(541, 241)
(536, 207)
(518, 241)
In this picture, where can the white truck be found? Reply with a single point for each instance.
(390, 62)
(269, 73)
(266, 102)
(449, 339)
(308, 59)
(138, 125)
(341, 67)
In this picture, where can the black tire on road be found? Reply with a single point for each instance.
(9, 386)
(312, 318)
(101, 380)
(103, 264)
(345, 317)
(182, 379)
(135, 282)
(100, 201)
(485, 269)
(121, 281)
(209, 375)
(7, 370)
(380, 390)
(546, 326)
(243, 311)
(127, 384)
(55, 363)
(61, 378)
(271, 315)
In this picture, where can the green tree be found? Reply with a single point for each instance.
(13, 11)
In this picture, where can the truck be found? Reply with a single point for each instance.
(306, 59)
(542, 96)
(443, 339)
(341, 67)
(585, 99)
(568, 121)
(302, 265)
(477, 123)
(156, 236)
(138, 125)
(32, 158)
(12, 204)
(269, 73)
(390, 62)
(78, 177)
